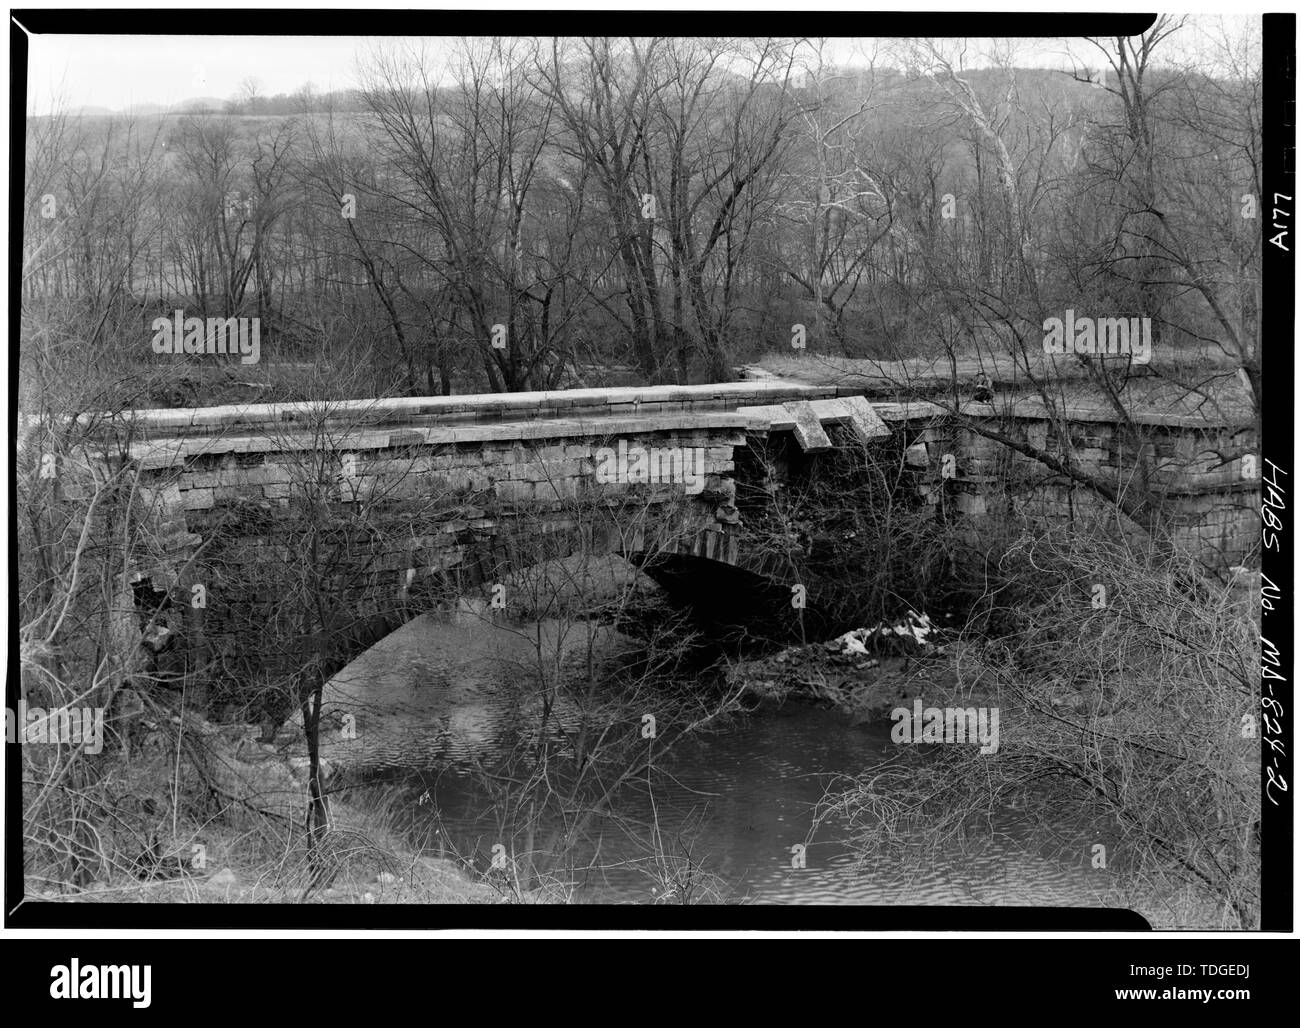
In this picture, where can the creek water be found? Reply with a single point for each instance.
(732, 805)
(735, 806)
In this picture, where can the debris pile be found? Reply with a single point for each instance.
(909, 635)
(863, 671)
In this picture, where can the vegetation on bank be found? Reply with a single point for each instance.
(251, 857)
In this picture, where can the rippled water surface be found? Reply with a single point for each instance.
(438, 695)
(738, 802)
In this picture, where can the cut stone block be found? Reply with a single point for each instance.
(774, 417)
(917, 456)
(808, 431)
(854, 411)
(197, 499)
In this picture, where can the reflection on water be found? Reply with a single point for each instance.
(731, 807)
(738, 802)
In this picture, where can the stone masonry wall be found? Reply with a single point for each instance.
(382, 532)
(1211, 507)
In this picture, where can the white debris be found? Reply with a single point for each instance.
(914, 626)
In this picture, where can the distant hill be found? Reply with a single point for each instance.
(197, 103)
(278, 105)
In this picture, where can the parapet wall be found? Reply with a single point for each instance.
(1210, 501)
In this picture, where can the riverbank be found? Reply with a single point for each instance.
(225, 825)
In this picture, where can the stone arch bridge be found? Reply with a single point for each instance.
(504, 468)
(408, 500)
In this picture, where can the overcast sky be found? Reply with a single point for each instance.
(121, 72)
